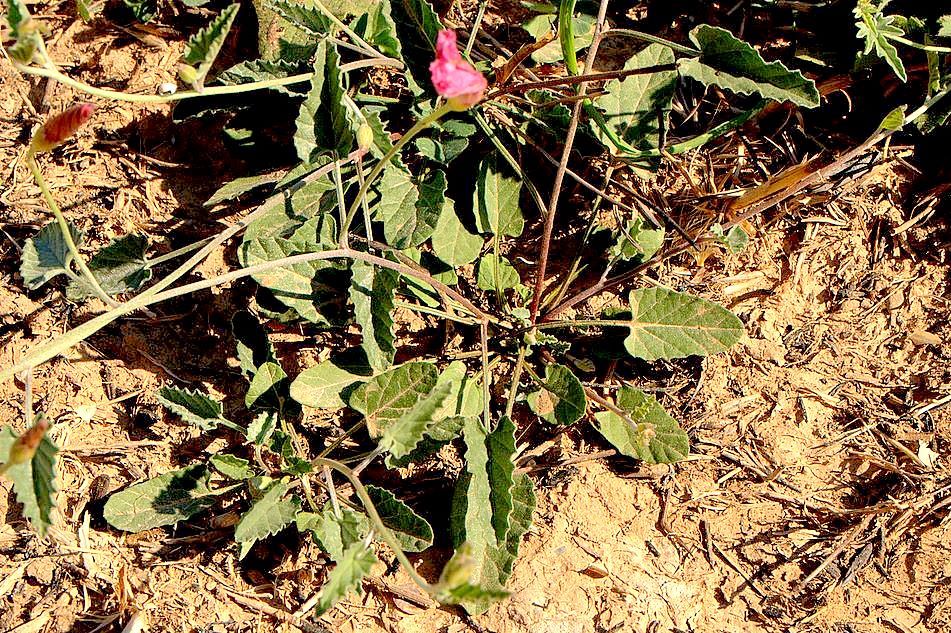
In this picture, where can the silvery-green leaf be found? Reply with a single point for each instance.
(45, 255)
(203, 47)
(650, 434)
(386, 398)
(496, 201)
(34, 481)
(562, 399)
(412, 531)
(637, 106)
(268, 515)
(165, 500)
(731, 63)
(452, 241)
(372, 291)
(669, 324)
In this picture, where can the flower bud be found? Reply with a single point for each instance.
(25, 447)
(458, 571)
(188, 74)
(60, 127)
(365, 137)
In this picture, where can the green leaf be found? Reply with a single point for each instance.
(376, 26)
(386, 398)
(562, 400)
(372, 291)
(325, 122)
(17, 14)
(542, 25)
(88, 11)
(203, 47)
(523, 508)
(400, 437)
(421, 15)
(894, 121)
(267, 516)
(312, 289)
(452, 241)
(119, 267)
(668, 324)
(473, 524)
(164, 500)
(240, 186)
(636, 242)
(232, 467)
(267, 379)
(334, 534)
(735, 239)
(262, 427)
(496, 273)
(731, 63)
(501, 446)
(143, 10)
(876, 29)
(636, 107)
(34, 481)
(465, 396)
(944, 26)
(328, 384)
(448, 138)
(356, 562)
(45, 255)
(409, 213)
(193, 407)
(496, 201)
(303, 16)
(411, 530)
(650, 434)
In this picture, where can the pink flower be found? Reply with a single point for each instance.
(454, 78)
(61, 126)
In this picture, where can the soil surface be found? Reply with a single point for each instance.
(815, 498)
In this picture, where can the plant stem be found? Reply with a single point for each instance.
(53, 348)
(418, 127)
(368, 49)
(155, 295)
(88, 278)
(378, 525)
(53, 73)
(560, 174)
(194, 246)
(581, 79)
(647, 37)
(923, 47)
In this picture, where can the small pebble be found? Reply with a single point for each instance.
(167, 88)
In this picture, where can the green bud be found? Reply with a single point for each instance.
(365, 137)
(458, 571)
(188, 74)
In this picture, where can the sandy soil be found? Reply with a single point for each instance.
(816, 498)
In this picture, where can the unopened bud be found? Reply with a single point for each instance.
(188, 74)
(60, 127)
(458, 571)
(25, 447)
(365, 137)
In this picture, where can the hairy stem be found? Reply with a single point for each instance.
(385, 533)
(542, 267)
(114, 95)
(418, 127)
(57, 346)
(87, 276)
